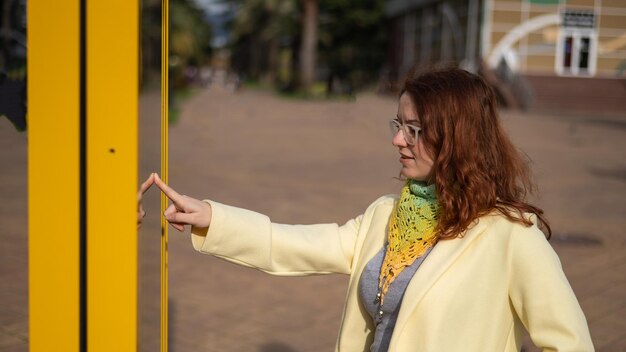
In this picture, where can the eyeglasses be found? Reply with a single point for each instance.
(410, 132)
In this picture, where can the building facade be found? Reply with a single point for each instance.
(579, 38)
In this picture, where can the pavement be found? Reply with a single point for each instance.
(321, 161)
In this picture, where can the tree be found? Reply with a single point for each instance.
(344, 38)
(308, 50)
(260, 30)
(353, 41)
(190, 34)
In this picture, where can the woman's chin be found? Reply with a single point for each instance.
(411, 174)
(408, 173)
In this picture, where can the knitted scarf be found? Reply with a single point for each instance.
(411, 231)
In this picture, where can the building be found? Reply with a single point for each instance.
(522, 42)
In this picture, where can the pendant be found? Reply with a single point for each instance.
(379, 316)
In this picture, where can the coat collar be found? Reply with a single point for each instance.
(442, 256)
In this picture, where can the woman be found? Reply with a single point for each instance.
(455, 263)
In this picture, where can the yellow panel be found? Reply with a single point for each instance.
(539, 71)
(53, 175)
(535, 38)
(512, 17)
(515, 4)
(540, 63)
(614, 4)
(581, 3)
(496, 37)
(540, 9)
(615, 22)
(613, 64)
(112, 110)
(611, 34)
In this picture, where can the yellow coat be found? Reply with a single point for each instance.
(475, 293)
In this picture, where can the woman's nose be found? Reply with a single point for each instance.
(398, 139)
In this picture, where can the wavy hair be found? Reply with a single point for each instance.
(476, 168)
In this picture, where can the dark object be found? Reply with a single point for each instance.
(13, 101)
(575, 239)
(13, 61)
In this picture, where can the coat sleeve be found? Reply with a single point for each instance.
(542, 297)
(251, 239)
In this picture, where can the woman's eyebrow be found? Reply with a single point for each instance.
(408, 121)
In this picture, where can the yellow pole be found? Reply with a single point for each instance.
(53, 175)
(112, 92)
(164, 162)
(82, 141)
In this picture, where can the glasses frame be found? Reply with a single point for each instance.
(409, 132)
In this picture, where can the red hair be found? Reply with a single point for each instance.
(476, 167)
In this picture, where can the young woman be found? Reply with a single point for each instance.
(455, 262)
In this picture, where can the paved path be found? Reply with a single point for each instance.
(307, 162)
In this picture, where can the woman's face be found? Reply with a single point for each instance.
(416, 162)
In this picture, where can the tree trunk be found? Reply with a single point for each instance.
(273, 64)
(308, 49)
(6, 18)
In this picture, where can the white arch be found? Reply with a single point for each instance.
(518, 33)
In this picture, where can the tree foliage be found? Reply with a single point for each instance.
(351, 47)
(353, 38)
(190, 35)
(259, 33)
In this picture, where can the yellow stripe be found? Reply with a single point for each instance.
(164, 163)
(112, 117)
(53, 175)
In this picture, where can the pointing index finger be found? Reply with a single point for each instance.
(169, 192)
(144, 186)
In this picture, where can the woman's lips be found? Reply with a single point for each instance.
(406, 158)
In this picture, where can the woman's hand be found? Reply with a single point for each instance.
(184, 210)
(142, 189)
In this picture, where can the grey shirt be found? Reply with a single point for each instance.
(368, 289)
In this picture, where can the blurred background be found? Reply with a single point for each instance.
(281, 106)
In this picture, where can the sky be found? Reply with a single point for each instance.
(217, 16)
(211, 6)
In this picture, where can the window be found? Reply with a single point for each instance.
(577, 44)
(576, 53)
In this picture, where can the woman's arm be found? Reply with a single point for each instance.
(542, 296)
(251, 239)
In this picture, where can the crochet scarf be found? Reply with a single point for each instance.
(411, 231)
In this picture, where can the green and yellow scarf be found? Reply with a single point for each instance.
(411, 231)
